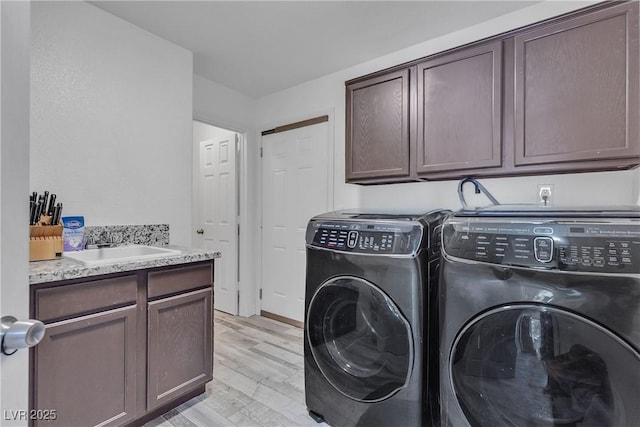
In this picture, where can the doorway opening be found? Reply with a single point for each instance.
(216, 210)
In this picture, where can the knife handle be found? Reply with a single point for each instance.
(36, 219)
(45, 202)
(52, 202)
(57, 214)
(32, 211)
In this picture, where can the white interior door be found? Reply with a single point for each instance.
(295, 188)
(218, 185)
(14, 185)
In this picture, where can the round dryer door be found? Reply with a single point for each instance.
(359, 339)
(537, 365)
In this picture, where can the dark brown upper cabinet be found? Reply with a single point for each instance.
(460, 110)
(576, 89)
(558, 96)
(377, 146)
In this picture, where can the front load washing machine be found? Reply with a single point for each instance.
(540, 317)
(368, 343)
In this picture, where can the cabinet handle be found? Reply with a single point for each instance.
(200, 231)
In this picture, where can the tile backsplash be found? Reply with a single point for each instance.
(153, 234)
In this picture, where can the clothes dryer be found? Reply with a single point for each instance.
(368, 342)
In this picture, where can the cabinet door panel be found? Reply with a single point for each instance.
(180, 345)
(377, 141)
(576, 89)
(85, 370)
(459, 110)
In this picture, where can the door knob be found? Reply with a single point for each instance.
(16, 334)
(200, 231)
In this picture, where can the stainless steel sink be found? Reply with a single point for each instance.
(119, 254)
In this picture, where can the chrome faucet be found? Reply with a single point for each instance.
(91, 243)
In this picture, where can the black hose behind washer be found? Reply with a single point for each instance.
(479, 188)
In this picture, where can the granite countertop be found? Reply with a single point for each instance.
(64, 268)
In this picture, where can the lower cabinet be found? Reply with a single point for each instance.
(121, 348)
(86, 370)
(179, 345)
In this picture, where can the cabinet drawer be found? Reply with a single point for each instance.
(82, 298)
(180, 279)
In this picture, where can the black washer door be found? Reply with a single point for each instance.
(359, 339)
(541, 366)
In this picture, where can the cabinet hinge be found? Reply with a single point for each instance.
(261, 152)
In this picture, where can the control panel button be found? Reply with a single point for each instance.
(543, 230)
(543, 249)
(352, 240)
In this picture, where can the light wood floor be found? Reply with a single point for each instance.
(258, 378)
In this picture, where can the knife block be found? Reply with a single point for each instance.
(45, 242)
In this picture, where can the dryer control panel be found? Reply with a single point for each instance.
(584, 246)
(386, 238)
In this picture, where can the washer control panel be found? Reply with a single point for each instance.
(365, 238)
(606, 246)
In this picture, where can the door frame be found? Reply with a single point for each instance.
(330, 112)
(246, 270)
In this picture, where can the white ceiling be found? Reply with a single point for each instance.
(262, 47)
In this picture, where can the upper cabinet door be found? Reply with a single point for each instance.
(576, 89)
(377, 137)
(460, 110)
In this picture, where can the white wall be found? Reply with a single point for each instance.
(111, 119)
(606, 188)
(203, 131)
(221, 106)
